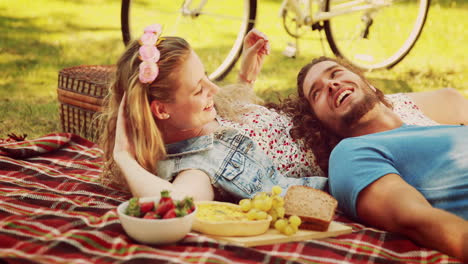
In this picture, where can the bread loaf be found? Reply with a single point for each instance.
(316, 208)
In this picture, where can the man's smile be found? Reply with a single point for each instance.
(341, 96)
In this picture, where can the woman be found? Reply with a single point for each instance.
(167, 126)
(163, 131)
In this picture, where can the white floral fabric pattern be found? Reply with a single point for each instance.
(408, 111)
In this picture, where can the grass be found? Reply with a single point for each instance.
(41, 37)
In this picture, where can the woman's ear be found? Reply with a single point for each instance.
(159, 110)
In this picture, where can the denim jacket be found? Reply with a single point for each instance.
(234, 163)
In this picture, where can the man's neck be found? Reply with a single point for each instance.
(379, 119)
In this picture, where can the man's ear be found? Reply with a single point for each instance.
(372, 87)
(159, 110)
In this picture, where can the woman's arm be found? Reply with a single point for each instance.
(142, 183)
(255, 48)
(445, 106)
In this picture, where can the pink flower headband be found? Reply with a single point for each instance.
(149, 53)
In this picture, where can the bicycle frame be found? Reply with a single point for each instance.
(194, 11)
(304, 16)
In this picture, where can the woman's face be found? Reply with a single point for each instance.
(193, 106)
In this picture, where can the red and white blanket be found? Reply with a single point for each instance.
(54, 210)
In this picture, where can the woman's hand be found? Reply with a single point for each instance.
(256, 47)
(122, 144)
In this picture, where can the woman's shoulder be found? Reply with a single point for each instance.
(405, 107)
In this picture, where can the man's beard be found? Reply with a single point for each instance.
(355, 114)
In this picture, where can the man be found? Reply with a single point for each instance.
(407, 179)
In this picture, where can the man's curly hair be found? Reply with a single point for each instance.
(306, 126)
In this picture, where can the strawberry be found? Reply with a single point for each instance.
(165, 196)
(151, 215)
(174, 212)
(170, 214)
(165, 203)
(186, 205)
(164, 206)
(180, 213)
(146, 207)
(189, 205)
(133, 208)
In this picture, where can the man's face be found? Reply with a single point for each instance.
(338, 96)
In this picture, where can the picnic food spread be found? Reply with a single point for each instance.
(316, 208)
(302, 207)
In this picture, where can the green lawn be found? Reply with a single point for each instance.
(40, 37)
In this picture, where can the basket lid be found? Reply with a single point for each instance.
(97, 74)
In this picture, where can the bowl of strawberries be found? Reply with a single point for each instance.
(157, 220)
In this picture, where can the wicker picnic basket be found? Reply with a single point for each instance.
(81, 91)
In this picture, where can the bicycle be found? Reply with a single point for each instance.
(356, 30)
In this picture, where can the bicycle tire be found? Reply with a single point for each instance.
(390, 37)
(124, 21)
(227, 21)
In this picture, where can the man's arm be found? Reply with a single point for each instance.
(392, 204)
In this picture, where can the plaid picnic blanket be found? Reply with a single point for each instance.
(54, 210)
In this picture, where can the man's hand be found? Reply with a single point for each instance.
(256, 47)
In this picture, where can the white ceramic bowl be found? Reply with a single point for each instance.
(155, 231)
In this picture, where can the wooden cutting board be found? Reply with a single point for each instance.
(272, 236)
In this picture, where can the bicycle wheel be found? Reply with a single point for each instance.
(376, 38)
(215, 29)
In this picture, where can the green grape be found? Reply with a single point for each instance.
(276, 190)
(260, 196)
(280, 212)
(288, 230)
(245, 204)
(295, 221)
(277, 201)
(252, 214)
(262, 215)
(273, 213)
(266, 205)
(258, 204)
(274, 216)
(280, 224)
(295, 228)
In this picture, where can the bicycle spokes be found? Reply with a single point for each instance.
(377, 37)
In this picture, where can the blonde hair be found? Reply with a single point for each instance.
(143, 132)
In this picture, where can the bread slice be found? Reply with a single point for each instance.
(316, 208)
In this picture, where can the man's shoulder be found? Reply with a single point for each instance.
(352, 142)
(354, 145)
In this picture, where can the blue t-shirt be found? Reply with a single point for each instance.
(434, 160)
